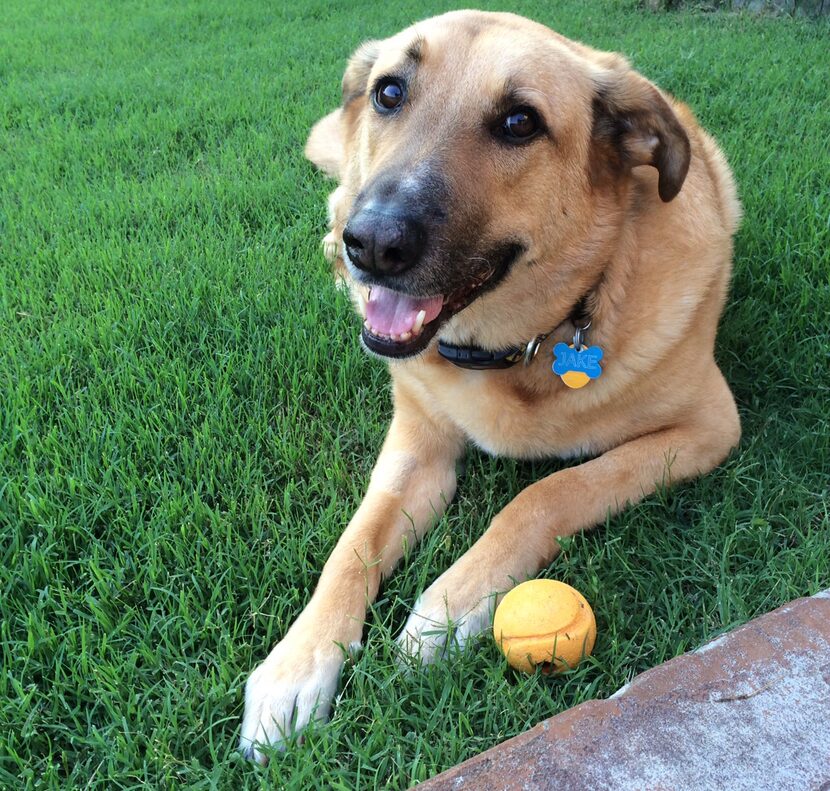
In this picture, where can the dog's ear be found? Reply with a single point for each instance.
(358, 69)
(634, 125)
(325, 144)
(326, 141)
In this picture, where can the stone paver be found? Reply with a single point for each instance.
(749, 710)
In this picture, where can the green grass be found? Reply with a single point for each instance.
(186, 421)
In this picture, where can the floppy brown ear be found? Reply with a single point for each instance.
(634, 125)
(326, 141)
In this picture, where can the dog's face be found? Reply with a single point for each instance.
(482, 154)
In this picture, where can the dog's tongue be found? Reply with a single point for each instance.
(394, 314)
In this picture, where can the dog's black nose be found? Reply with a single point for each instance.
(384, 243)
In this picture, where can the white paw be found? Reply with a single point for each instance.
(289, 689)
(440, 620)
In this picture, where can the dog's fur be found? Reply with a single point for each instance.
(624, 199)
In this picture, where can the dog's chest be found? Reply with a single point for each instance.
(507, 414)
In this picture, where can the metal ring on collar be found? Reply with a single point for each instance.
(532, 348)
(579, 336)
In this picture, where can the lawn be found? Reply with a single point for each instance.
(187, 422)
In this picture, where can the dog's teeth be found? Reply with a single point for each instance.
(361, 304)
(377, 333)
(405, 336)
(419, 322)
(394, 337)
(367, 325)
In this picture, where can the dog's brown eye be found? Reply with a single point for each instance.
(520, 124)
(389, 95)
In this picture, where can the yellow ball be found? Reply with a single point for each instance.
(547, 623)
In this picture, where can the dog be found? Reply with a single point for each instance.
(506, 195)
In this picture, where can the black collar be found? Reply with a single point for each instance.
(478, 359)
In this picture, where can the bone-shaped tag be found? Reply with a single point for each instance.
(577, 368)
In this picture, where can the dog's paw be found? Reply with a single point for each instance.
(441, 619)
(294, 685)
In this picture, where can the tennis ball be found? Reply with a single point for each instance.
(547, 623)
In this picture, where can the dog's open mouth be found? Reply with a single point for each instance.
(400, 325)
(397, 325)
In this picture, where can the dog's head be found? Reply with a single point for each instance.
(482, 159)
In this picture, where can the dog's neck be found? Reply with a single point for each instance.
(478, 359)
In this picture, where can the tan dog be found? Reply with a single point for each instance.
(502, 186)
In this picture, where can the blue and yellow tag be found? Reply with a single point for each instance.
(577, 367)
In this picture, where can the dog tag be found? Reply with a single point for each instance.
(577, 367)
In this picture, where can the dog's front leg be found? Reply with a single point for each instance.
(411, 484)
(522, 539)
